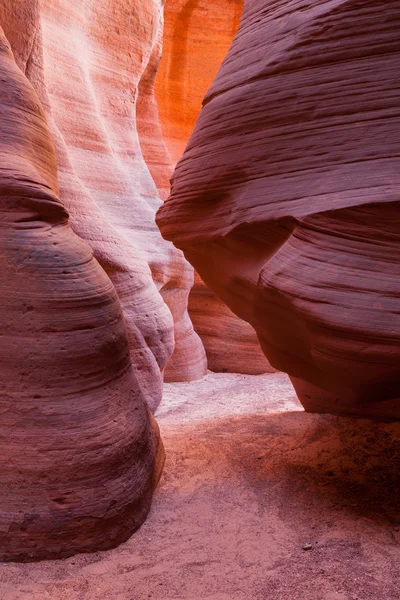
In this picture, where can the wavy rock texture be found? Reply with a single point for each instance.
(291, 183)
(154, 148)
(189, 359)
(81, 452)
(197, 36)
(86, 63)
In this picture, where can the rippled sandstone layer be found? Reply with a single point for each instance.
(87, 63)
(291, 183)
(80, 451)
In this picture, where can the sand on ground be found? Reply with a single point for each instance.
(258, 500)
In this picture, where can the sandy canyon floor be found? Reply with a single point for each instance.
(258, 500)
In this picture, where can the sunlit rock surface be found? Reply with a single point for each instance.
(286, 200)
(86, 62)
(197, 36)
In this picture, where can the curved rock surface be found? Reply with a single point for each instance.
(197, 36)
(81, 452)
(231, 344)
(188, 361)
(287, 198)
(87, 63)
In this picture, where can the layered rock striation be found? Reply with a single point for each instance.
(286, 200)
(197, 36)
(231, 344)
(80, 451)
(89, 64)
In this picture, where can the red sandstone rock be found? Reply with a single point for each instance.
(287, 198)
(188, 361)
(197, 36)
(80, 450)
(86, 62)
(231, 344)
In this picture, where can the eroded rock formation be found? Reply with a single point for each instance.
(189, 360)
(86, 63)
(231, 344)
(197, 36)
(80, 450)
(287, 197)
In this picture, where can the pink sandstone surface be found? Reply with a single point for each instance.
(93, 306)
(80, 450)
(291, 183)
(86, 63)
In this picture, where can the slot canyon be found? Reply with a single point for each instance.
(200, 299)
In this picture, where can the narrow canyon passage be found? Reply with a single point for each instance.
(197, 36)
(199, 263)
(258, 500)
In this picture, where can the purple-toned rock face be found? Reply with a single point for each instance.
(80, 451)
(287, 199)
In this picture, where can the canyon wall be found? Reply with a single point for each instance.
(197, 36)
(80, 450)
(286, 200)
(86, 63)
(93, 301)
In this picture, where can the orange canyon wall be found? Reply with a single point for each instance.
(197, 36)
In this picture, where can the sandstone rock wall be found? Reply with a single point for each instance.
(231, 344)
(90, 305)
(86, 62)
(118, 44)
(291, 183)
(197, 36)
(80, 450)
(189, 360)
